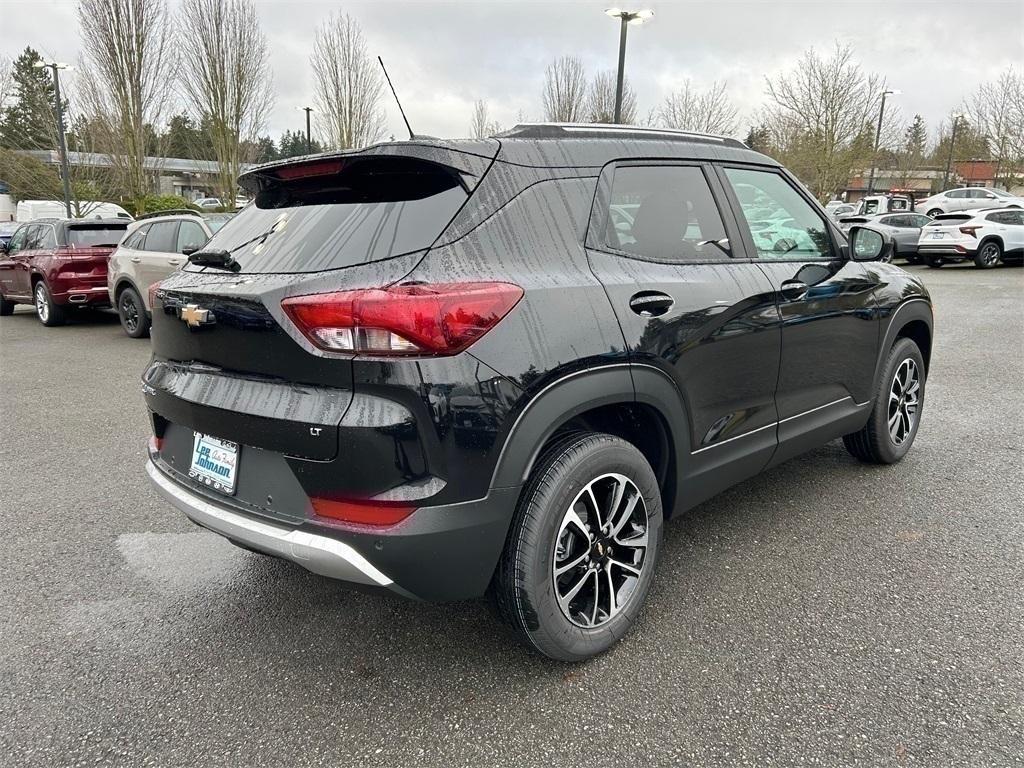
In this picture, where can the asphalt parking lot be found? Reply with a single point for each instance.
(825, 613)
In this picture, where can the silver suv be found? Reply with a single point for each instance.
(152, 249)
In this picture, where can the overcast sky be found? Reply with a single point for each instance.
(443, 56)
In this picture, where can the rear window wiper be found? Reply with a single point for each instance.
(214, 257)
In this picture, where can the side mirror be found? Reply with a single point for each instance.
(869, 244)
(188, 250)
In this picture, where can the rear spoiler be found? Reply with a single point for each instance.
(471, 158)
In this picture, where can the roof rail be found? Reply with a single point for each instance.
(169, 212)
(607, 130)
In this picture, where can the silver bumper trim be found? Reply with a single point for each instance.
(319, 554)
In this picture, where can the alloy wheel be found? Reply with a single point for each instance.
(42, 306)
(990, 254)
(904, 401)
(129, 313)
(600, 550)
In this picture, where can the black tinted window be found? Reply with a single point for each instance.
(323, 216)
(47, 239)
(162, 237)
(665, 212)
(88, 236)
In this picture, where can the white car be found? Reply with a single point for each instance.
(987, 237)
(208, 203)
(968, 199)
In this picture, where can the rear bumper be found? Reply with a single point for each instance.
(949, 250)
(439, 553)
(65, 292)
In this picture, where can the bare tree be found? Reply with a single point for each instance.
(997, 110)
(482, 126)
(830, 104)
(349, 85)
(226, 80)
(601, 100)
(690, 109)
(565, 91)
(128, 72)
(6, 81)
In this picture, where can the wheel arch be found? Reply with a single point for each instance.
(121, 284)
(913, 320)
(603, 400)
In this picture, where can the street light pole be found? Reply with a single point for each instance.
(949, 160)
(624, 17)
(58, 111)
(309, 140)
(878, 137)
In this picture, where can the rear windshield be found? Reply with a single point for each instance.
(338, 213)
(89, 236)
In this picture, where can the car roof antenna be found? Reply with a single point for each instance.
(411, 134)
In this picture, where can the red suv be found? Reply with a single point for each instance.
(54, 263)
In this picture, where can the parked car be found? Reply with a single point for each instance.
(58, 264)
(831, 205)
(153, 248)
(208, 203)
(601, 378)
(904, 229)
(986, 237)
(968, 199)
(31, 210)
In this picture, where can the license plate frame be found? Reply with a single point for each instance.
(214, 463)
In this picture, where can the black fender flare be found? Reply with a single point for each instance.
(910, 310)
(576, 393)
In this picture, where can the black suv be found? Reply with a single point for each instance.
(451, 368)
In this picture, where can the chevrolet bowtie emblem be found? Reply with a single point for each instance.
(195, 316)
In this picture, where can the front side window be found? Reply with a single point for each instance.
(190, 235)
(782, 223)
(32, 237)
(162, 237)
(17, 240)
(956, 194)
(665, 213)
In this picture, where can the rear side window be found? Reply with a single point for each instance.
(162, 237)
(665, 213)
(47, 239)
(893, 221)
(90, 236)
(782, 223)
(338, 213)
(136, 238)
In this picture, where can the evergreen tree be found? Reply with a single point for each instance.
(915, 139)
(759, 139)
(29, 122)
(293, 144)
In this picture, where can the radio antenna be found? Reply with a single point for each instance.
(402, 111)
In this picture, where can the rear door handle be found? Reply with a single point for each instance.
(174, 262)
(651, 303)
(793, 290)
(135, 259)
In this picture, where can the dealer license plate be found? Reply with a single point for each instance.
(214, 463)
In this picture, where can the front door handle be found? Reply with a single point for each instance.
(793, 290)
(651, 303)
(174, 262)
(135, 259)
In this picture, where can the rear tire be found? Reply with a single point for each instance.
(49, 314)
(132, 312)
(896, 414)
(571, 580)
(934, 212)
(6, 307)
(988, 255)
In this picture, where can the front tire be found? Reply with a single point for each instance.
(49, 314)
(988, 255)
(132, 312)
(934, 212)
(896, 414)
(582, 549)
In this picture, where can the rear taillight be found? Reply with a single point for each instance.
(156, 444)
(361, 512)
(423, 319)
(969, 231)
(152, 293)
